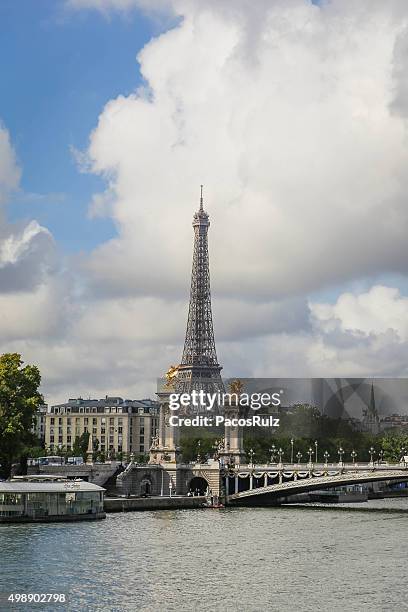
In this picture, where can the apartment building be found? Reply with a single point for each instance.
(38, 427)
(119, 426)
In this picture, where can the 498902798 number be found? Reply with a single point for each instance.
(34, 598)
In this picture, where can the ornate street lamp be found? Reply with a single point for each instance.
(326, 456)
(381, 456)
(251, 454)
(272, 450)
(353, 456)
(310, 451)
(292, 442)
(198, 451)
(280, 453)
(372, 453)
(341, 453)
(299, 456)
(316, 446)
(402, 451)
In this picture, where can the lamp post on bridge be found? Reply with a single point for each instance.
(272, 450)
(316, 446)
(292, 442)
(280, 453)
(341, 453)
(353, 456)
(372, 453)
(310, 456)
(402, 451)
(251, 455)
(326, 456)
(380, 456)
(298, 456)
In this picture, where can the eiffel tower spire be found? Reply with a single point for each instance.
(201, 200)
(199, 367)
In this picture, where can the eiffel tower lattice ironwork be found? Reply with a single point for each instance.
(199, 368)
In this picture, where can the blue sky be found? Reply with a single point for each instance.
(58, 71)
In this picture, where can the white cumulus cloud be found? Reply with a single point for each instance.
(287, 113)
(378, 311)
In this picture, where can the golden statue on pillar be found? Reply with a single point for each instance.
(236, 386)
(171, 375)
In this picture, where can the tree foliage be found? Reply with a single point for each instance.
(395, 445)
(202, 442)
(80, 445)
(19, 401)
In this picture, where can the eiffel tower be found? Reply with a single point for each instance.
(199, 368)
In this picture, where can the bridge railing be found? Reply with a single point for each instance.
(319, 466)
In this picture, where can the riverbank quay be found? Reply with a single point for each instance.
(129, 504)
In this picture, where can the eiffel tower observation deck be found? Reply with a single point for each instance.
(199, 368)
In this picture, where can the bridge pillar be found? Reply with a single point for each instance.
(233, 450)
(165, 447)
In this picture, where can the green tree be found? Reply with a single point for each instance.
(141, 458)
(202, 442)
(19, 400)
(95, 448)
(393, 444)
(35, 451)
(101, 457)
(80, 445)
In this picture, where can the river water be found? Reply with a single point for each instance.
(244, 559)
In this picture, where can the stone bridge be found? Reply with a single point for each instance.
(250, 484)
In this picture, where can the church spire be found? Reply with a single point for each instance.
(373, 409)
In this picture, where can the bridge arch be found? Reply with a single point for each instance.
(198, 483)
(146, 485)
